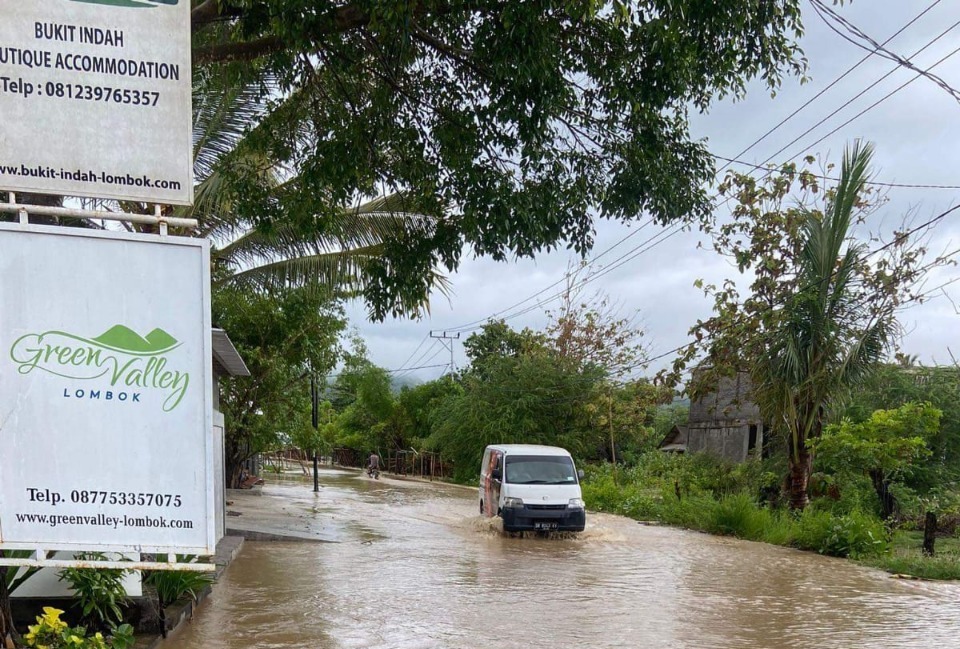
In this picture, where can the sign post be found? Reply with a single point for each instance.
(96, 99)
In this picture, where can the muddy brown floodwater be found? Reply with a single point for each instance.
(415, 568)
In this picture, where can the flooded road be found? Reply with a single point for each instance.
(415, 567)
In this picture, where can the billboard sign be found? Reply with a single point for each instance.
(96, 99)
(105, 392)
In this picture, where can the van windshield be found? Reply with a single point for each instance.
(539, 469)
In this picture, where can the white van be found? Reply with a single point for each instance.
(531, 488)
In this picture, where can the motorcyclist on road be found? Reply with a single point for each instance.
(373, 464)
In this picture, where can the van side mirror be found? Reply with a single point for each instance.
(497, 474)
(580, 473)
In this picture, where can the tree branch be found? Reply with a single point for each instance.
(204, 13)
(237, 51)
(341, 20)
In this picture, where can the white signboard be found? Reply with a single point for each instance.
(95, 99)
(105, 392)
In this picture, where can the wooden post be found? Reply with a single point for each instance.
(613, 449)
(929, 534)
(7, 632)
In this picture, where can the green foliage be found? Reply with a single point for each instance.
(703, 494)
(418, 406)
(854, 535)
(888, 447)
(529, 117)
(172, 585)
(99, 592)
(738, 515)
(50, 632)
(668, 416)
(370, 419)
(894, 385)
(819, 316)
(532, 399)
(283, 337)
(13, 577)
(890, 440)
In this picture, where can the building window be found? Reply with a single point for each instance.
(752, 440)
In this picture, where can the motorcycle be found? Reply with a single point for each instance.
(373, 472)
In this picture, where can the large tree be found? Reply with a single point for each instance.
(887, 447)
(528, 118)
(336, 252)
(821, 310)
(896, 384)
(285, 338)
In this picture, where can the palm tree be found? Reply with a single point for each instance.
(830, 334)
(339, 248)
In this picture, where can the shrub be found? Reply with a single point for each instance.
(853, 535)
(99, 591)
(601, 493)
(781, 528)
(738, 515)
(50, 632)
(171, 585)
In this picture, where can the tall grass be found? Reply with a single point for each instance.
(738, 514)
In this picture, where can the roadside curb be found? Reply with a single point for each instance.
(273, 537)
(179, 614)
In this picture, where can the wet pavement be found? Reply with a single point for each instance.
(411, 565)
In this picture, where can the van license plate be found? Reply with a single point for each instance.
(545, 526)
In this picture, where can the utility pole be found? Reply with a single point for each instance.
(315, 420)
(447, 341)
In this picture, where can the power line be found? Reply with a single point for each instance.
(423, 355)
(885, 97)
(829, 86)
(410, 357)
(419, 367)
(897, 240)
(617, 263)
(878, 183)
(831, 18)
(473, 325)
(860, 94)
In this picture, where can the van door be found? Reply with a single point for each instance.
(491, 498)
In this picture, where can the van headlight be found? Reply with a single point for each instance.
(575, 503)
(512, 503)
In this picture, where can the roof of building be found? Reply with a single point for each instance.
(676, 439)
(226, 358)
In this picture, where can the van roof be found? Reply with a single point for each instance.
(530, 449)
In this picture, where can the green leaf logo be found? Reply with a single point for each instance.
(135, 4)
(120, 360)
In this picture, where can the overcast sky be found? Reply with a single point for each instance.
(915, 132)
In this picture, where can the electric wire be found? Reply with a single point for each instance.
(833, 83)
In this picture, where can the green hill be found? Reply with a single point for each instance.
(121, 337)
